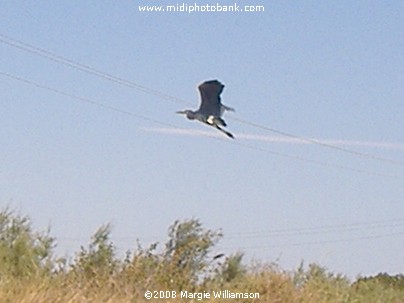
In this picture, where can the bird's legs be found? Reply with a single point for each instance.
(217, 122)
(224, 131)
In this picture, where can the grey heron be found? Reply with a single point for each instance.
(211, 109)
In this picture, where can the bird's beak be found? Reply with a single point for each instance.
(180, 112)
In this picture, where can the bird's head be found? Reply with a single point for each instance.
(188, 113)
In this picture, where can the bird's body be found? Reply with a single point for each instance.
(211, 109)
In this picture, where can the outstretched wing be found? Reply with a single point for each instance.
(210, 98)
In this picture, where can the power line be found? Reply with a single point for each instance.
(376, 225)
(86, 100)
(115, 109)
(90, 70)
(320, 242)
(394, 223)
(317, 162)
(263, 246)
(84, 68)
(317, 142)
(352, 227)
(322, 229)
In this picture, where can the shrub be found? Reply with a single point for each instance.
(23, 253)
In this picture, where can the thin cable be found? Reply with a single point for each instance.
(393, 223)
(317, 142)
(95, 103)
(265, 246)
(319, 242)
(319, 229)
(317, 162)
(86, 100)
(85, 68)
(90, 70)
(286, 244)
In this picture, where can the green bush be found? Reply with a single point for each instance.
(23, 253)
(30, 273)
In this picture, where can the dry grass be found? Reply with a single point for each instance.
(273, 286)
(29, 273)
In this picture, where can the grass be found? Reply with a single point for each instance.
(272, 286)
(29, 272)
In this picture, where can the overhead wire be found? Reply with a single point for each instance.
(318, 162)
(305, 231)
(290, 232)
(73, 240)
(83, 99)
(317, 242)
(317, 142)
(126, 112)
(90, 70)
(358, 226)
(392, 225)
(297, 231)
(84, 68)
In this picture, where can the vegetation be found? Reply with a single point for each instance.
(187, 265)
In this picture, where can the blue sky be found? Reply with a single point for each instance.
(329, 71)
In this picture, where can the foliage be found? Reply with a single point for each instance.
(186, 251)
(23, 253)
(99, 259)
(28, 273)
(380, 288)
(396, 282)
(231, 270)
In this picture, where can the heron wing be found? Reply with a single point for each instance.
(210, 98)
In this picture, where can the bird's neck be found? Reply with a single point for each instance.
(191, 115)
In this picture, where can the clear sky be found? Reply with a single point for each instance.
(326, 70)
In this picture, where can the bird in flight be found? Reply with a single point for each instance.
(211, 109)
